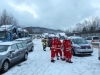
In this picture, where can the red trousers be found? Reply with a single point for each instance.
(53, 54)
(68, 55)
(59, 52)
(64, 53)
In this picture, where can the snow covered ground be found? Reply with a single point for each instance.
(38, 63)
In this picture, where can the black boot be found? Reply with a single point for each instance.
(53, 61)
(63, 59)
(57, 58)
(70, 62)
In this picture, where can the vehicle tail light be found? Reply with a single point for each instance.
(92, 40)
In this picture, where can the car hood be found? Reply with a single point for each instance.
(3, 53)
(83, 46)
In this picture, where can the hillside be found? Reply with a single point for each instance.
(40, 30)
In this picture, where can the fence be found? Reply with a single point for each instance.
(86, 34)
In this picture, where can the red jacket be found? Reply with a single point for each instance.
(67, 44)
(53, 44)
(58, 44)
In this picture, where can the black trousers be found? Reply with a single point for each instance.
(44, 47)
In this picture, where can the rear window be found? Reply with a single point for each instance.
(3, 48)
(96, 38)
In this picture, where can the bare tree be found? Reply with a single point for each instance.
(6, 19)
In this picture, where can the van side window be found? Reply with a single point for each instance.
(24, 44)
(14, 47)
(19, 45)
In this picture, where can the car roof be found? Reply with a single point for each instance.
(93, 36)
(74, 37)
(23, 38)
(7, 43)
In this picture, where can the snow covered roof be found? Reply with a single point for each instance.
(51, 35)
(74, 37)
(63, 34)
(23, 38)
(7, 43)
(5, 27)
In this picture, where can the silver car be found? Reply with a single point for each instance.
(80, 46)
(10, 53)
(28, 41)
(99, 54)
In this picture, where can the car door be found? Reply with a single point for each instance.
(20, 51)
(13, 53)
(29, 44)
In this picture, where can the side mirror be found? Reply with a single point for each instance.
(11, 51)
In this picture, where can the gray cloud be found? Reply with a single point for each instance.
(55, 14)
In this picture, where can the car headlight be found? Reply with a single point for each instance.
(78, 47)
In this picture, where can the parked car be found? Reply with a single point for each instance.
(80, 46)
(28, 41)
(10, 53)
(99, 54)
(93, 39)
(50, 41)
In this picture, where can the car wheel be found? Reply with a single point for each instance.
(5, 66)
(25, 56)
(32, 48)
(73, 52)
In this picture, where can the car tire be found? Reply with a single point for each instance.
(73, 52)
(32, 48)
(5, 66)
(25, 56)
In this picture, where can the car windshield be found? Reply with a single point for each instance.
(2, 35)
(96, 38)
(3, 48)
(79, 41)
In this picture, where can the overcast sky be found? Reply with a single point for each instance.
(55, 14)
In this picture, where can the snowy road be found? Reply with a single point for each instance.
(38, 63)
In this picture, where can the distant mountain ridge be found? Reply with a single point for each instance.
(40, 30)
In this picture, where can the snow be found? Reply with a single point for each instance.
(62, 34)
(38, 63)
(51, 35)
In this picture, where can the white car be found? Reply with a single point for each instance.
(93, 39)
(80, 46)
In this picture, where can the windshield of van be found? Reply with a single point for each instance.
(79, 41)
(2, 35)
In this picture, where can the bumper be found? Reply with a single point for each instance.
(83, 51)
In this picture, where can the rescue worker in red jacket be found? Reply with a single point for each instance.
(67, 50)
(58, 48)
(53, 49)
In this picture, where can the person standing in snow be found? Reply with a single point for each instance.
(53, 49)
(67, 50)
(58, 48)
(44, 43)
